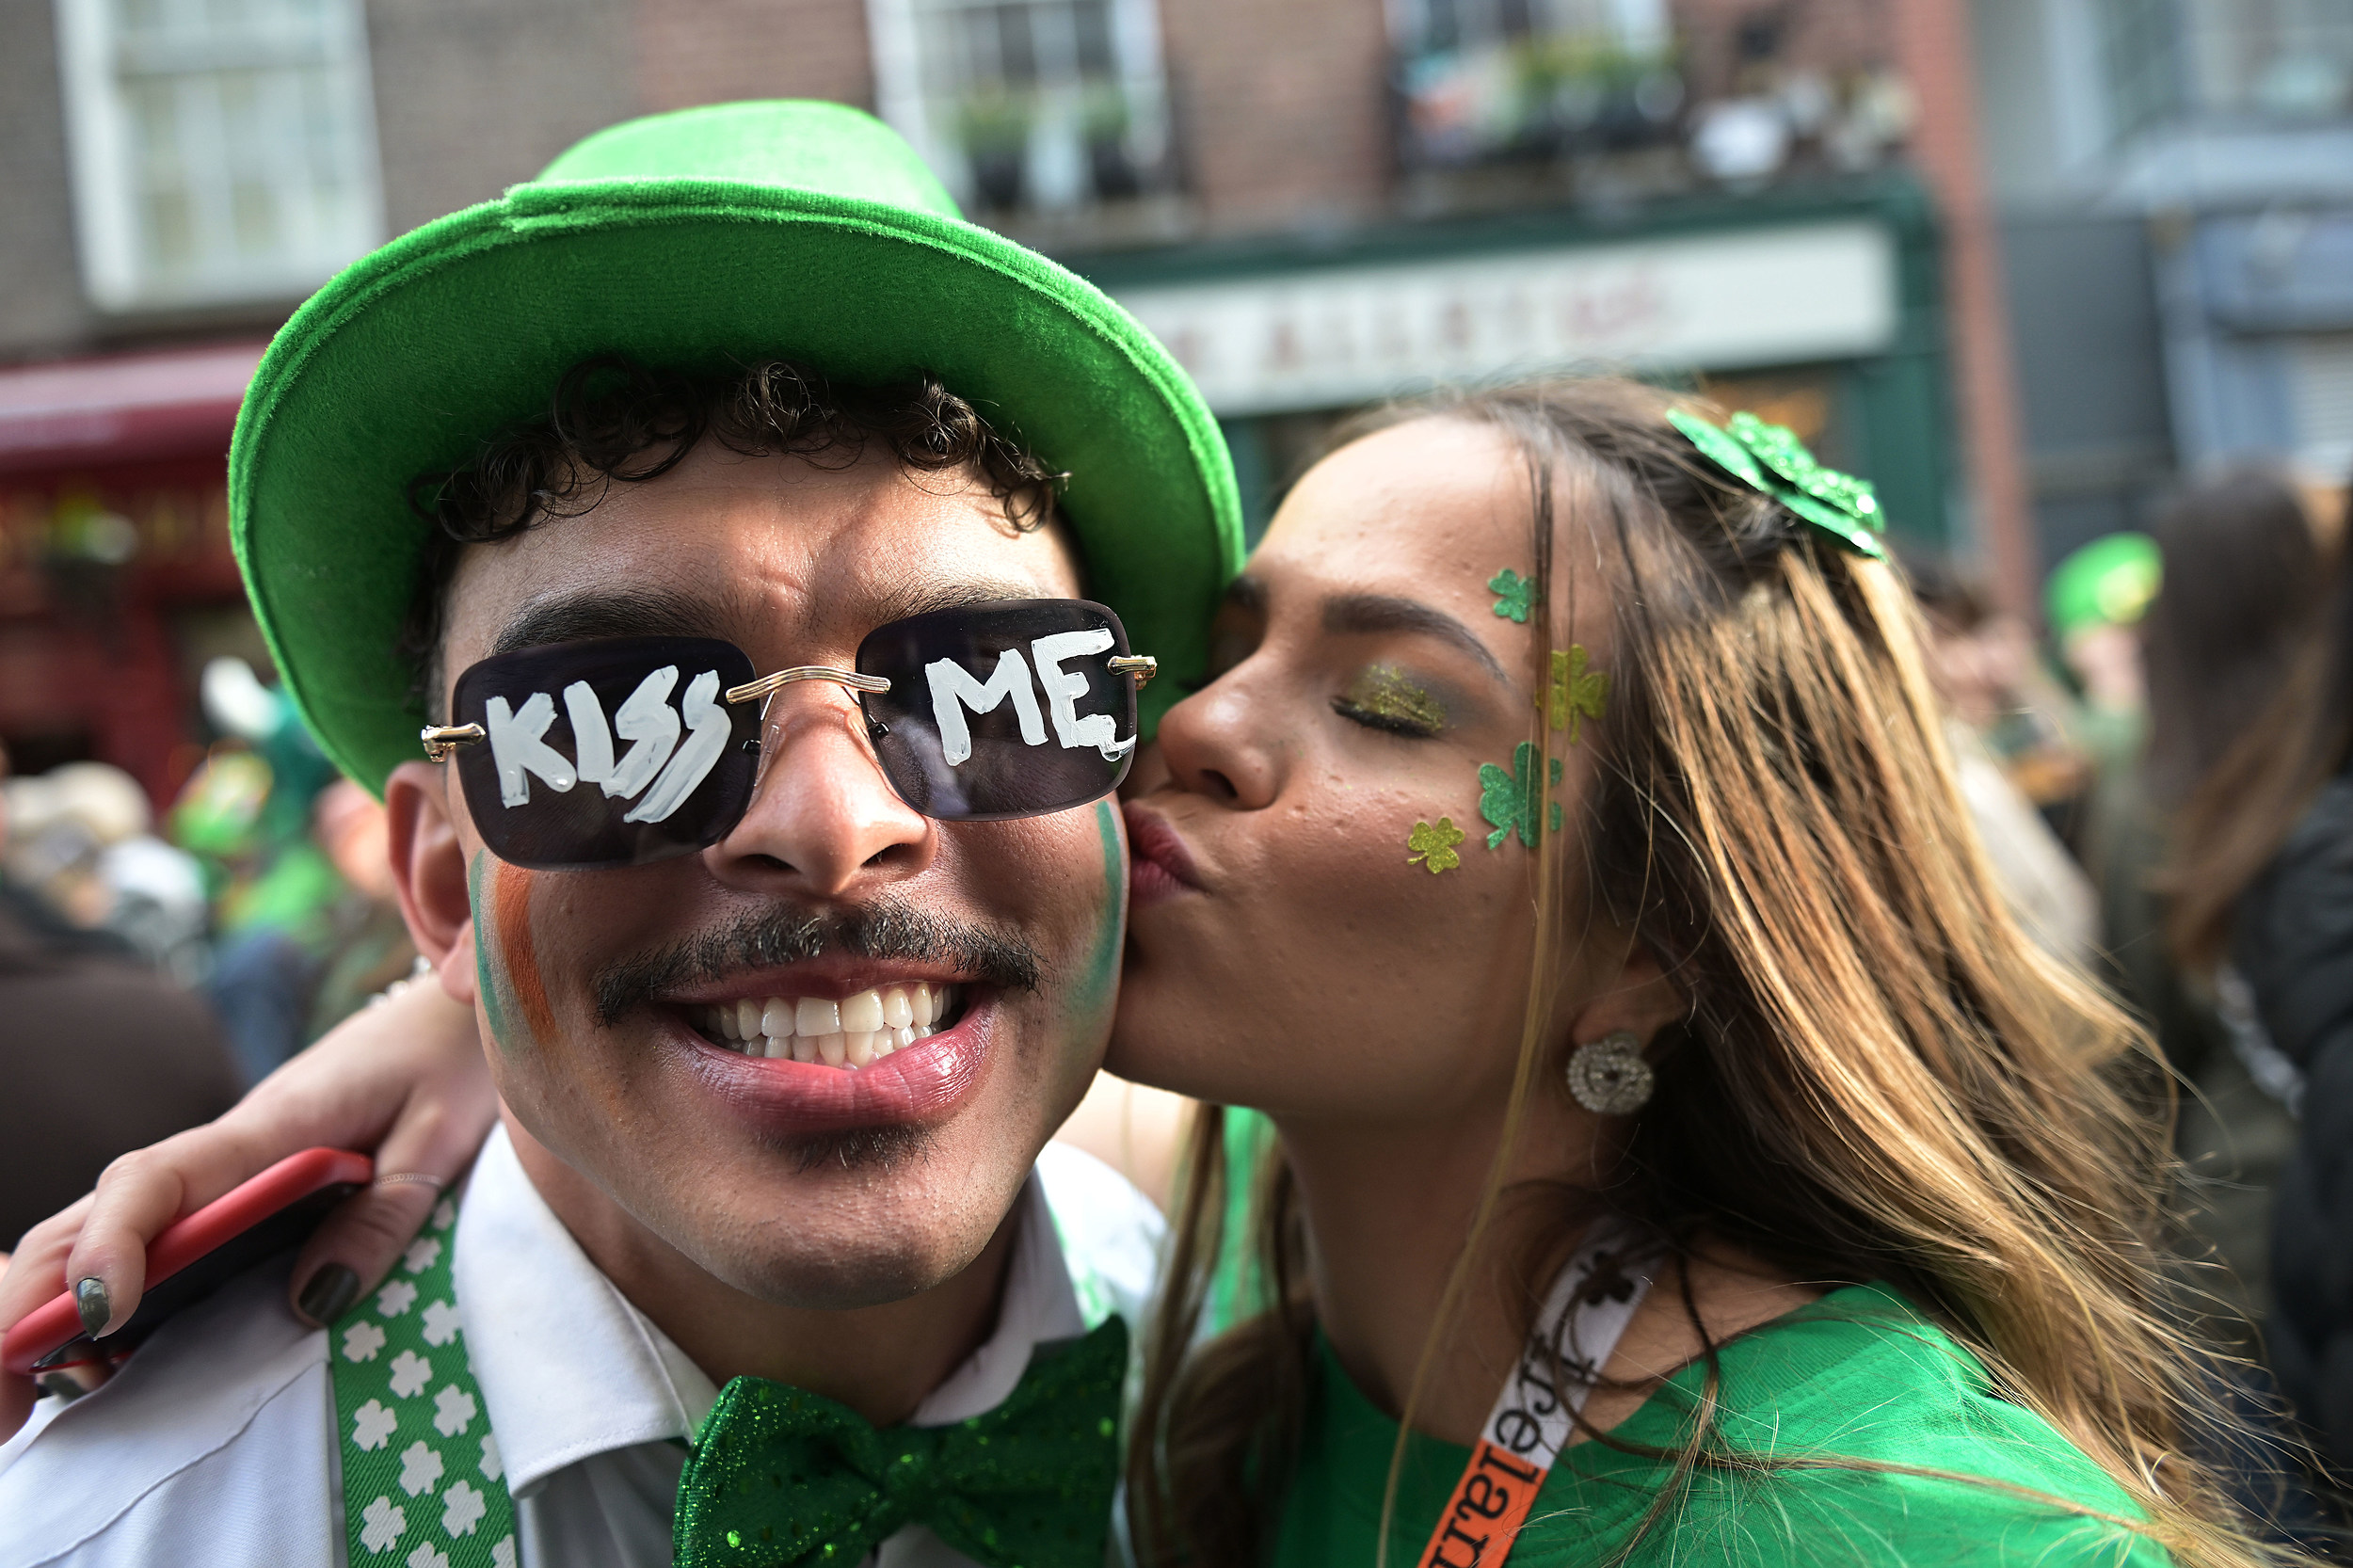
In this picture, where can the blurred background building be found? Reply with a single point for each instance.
(2174, 184)
(1316, 203)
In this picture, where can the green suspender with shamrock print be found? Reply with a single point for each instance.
(423, 1485)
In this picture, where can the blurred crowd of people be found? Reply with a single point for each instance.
(2161, 781)
(186, 955)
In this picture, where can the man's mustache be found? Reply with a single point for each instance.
(785, 933)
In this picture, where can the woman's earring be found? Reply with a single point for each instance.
(1609, 1076)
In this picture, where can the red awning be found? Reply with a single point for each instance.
(123, 408)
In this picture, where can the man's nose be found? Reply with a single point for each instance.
(823, 820)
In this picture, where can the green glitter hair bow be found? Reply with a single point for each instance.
(1772, 461)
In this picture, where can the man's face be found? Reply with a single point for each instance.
(806, 1184)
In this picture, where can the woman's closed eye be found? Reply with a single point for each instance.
(1386, 698)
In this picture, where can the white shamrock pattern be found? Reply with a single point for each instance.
(452, 1410)
(462, 1508)
(420, 1468)
(441, 1322)
(411, 1372)
(372, 1426)
(384, 1520)
(384, 1361)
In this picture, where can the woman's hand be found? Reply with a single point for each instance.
(406, 1080)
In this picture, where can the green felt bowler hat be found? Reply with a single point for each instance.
(2109, 582)
(705, 238)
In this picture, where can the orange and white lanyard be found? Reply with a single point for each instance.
(1590, 1304)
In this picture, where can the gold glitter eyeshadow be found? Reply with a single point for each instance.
(1386, 692)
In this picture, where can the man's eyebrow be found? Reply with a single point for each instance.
(1357, 615)
(617, 612)
(920, 598)
(1246, 593)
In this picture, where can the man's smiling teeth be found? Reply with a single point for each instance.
(846, 1033)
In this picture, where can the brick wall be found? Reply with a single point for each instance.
(40, 303)
(1281, 108)
(471, 97)
(717, 50)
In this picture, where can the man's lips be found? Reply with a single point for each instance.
(1161, 866)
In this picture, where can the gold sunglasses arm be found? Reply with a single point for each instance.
(441, 739)
(1141, 666)
(753, 690)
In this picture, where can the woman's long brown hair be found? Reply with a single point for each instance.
(2235, 820)
(1880, 1078)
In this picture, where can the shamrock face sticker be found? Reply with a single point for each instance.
(1516, 595)
(1513, 800)
(1433, 847)
(1575, 692)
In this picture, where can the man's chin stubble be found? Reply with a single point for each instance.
(870, 1150)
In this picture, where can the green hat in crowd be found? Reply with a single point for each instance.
(2109, 582)
(709, 238)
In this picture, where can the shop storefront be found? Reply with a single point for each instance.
(1818, 309)
(116, 580)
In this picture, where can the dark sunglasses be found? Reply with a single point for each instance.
(625, 750)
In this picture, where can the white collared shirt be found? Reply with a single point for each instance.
(217, 1442)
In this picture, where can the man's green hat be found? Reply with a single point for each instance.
(707, 238)
(2109, 582)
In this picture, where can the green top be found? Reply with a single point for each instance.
(1859, 1374)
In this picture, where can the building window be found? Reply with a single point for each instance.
(2320, 397)
(1484, 80)
(223, 150)
(1036, 105)
(2274, 60)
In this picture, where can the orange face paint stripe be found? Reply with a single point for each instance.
(510, 897)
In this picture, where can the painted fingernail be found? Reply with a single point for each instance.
(330, 1294)
(91, 1300)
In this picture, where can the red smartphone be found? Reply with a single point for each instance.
(194, 1256)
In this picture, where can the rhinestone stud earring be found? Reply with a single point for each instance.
(1609, 1076)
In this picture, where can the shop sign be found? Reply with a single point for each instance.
(1324, 337)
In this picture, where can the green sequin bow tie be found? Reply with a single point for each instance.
(784, 1479)
(1771, 459)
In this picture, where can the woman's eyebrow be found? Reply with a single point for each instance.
(1356, 614)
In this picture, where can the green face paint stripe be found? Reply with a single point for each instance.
(1102, 972)
(493, 1006)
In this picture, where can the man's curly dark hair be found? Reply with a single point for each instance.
(613, 420)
